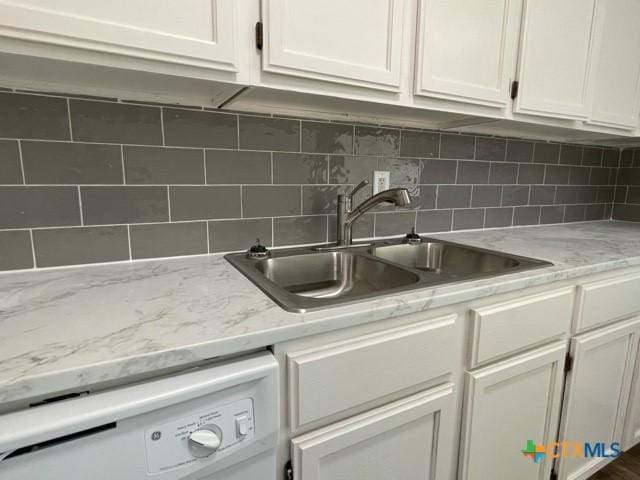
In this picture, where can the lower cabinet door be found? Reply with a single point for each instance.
(631, 433)
(408, 439)
(596, 398)
(507, 405)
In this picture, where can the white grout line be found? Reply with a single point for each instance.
(204, 165)
(21, 162)
(124, 177)
(273, 234)
(206, 224)
(238, 130)
(33, 248)
(80, 204)
(129, 240)
(241, 205)
(168, 203)
(69, 117)
(162, 125)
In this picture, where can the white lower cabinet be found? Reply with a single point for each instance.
(408, 439)
(507, 404)
(631, 434)
(596, 396)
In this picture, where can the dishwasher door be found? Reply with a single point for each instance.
(147, 430)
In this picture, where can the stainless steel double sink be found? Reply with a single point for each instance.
(302, 279)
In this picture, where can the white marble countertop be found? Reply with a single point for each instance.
(68, 327)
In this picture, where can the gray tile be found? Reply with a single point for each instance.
(10, 171)
(204, 202)
(377, 141)
(131, 204)
(362, 228)
(608, 211)
(74, 246)
(403, 171)
(574, 213)
(592, 157)
(526, 216)
(570, 154)
(552, 214)
(621, 194)
(271, 201)
(630, 213)
(587, 194)
(468, 218)
(297, 168)
(459, 147)
(321, 199)
(557, 175)
(611, 157)
(394, 223)
(71, 163)
(498, 217)
(168, 239)
(599, 176)
(594, 212)
(299, 230)
(419, 144)
(519, 151)
(438, 171)
(264, 133)
(529, 174)
(423, 197)
(192, 128)
(626, 158)
(351, 169)
(491, 149)
(473, 172)
(33, 116)
(454, 196)
(434, 221)
(542, 195)
(503, 173)
(23, 207)
(15, 250)
(486, 196)
(633, 195)
(163, 165)
(514, 195)
(115, 123)
(567, 194)
(237, 166)
(605, 194)
(579, 176)
(235, 235)
(546, 153)
(325, 137)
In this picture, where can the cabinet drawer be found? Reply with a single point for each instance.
(607, 300)
(505, 328)
(338, 377)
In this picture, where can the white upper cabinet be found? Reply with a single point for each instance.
(616, 68)
(189, 33)
(467, 50)
(556, 43)
(358, 42)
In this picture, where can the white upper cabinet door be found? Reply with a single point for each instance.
(357, 42)
(405, 440)
(616, 65)
(556, 45)
(467, 50)
(597, 393)
(196, 33)
(496, 398)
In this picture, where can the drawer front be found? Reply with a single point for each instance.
(506, 328)
(607, 300)
(335, 378)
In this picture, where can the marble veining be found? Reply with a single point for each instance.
(68, 327)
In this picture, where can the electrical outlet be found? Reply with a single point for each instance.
(380, 181)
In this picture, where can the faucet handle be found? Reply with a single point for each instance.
(358, 187)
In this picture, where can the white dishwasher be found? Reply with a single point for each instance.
(217, 422)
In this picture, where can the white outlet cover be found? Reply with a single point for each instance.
(380, 181)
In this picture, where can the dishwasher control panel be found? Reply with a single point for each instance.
(199, 437)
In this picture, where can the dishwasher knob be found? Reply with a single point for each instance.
(205, 441)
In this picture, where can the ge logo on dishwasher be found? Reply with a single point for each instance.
(156, 435)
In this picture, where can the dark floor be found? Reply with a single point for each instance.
(627, 467)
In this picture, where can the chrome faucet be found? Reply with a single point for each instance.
(347, 214)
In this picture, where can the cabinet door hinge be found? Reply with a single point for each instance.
(514, 89)
(288, 471)
(259, 36)
(568, 363)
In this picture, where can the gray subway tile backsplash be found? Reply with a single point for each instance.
(134, 180)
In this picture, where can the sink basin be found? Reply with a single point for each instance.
(451, 259)
(333, 274)
(302, 279)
